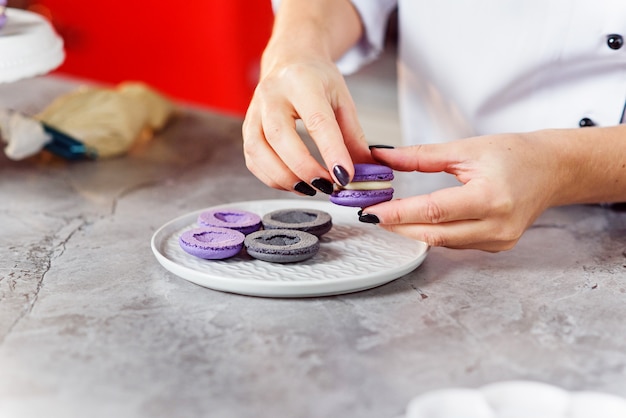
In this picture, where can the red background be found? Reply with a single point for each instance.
(204, 52)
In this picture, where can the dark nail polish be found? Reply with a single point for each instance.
(382, 146)
(360, 212)
(304, 188)
(341, 175)
(322, 185)
(369, 218)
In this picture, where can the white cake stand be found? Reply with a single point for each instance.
(29, 46)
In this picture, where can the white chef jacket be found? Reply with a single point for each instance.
(491, 66)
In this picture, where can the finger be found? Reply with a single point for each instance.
(428, 158)
(263, 162)
(281, 179)
(279, 129)
(353, 135)
(255, 148)
(320, 121)
(263, 176)
(446, 205)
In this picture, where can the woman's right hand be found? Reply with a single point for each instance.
(315, 92)
(299, 80)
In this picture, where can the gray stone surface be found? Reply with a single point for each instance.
(92, 326)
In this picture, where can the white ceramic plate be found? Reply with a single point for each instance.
(353, 256)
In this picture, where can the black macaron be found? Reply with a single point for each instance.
(313, 221)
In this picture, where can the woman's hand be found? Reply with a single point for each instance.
(299, 81)
(507, 182)
(315, 92)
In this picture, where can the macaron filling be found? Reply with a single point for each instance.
(366, 185)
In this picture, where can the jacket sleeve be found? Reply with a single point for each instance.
(374, 15)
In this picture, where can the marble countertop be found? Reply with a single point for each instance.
(92, 325)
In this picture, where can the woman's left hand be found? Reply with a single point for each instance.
(507, 182)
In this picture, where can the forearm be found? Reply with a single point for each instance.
(592, 164)
(322, 28)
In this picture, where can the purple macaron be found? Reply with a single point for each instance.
(212, 243)
(376, 187)
(3, 16)
(238, 220)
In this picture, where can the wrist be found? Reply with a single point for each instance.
(307, 30)
(282, 51)
(590, 164)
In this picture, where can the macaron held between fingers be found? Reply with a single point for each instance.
(371, 184)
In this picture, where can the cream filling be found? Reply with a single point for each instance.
(367, 185)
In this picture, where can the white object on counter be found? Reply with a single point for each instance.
(29, 46)
(515, 399)
(24, 136)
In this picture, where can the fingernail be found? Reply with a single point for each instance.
(382, 146)
(369, 218)
(304, 188)
(360, 212)
(341, 175)
(323, 185)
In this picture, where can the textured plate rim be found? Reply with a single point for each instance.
(250, 287)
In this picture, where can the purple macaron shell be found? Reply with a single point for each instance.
(372, 172)
(361, 198)
(3, 17)
(212, 243)
(238, 220)
(364, 198)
